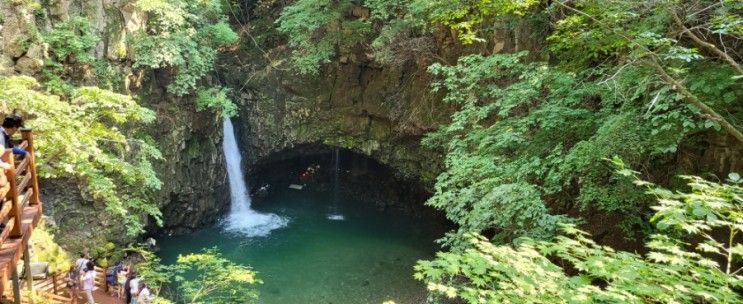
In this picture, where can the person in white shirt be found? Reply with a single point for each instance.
(81, 263)
(88, 282)
(134, 287)
(145, 296)
(79, 269)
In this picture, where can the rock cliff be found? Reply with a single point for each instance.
(193, 175)
(382, 111)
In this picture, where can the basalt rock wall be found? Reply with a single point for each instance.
(382, 110)
(379, 112)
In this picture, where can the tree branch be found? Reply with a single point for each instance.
(693, 99)
(676, 85)
(707, 45)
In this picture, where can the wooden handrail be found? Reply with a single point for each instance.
(5, 209)
(27, 198)
(20, 212)
(28, 137)
(21, 169)
(23, 184)
(5, 233)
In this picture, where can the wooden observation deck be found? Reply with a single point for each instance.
(20, 212)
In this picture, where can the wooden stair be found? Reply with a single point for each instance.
(20, 213)
(11, 249)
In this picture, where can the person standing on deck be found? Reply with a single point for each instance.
(79, 268)
(121, 278)
(128, 286)
(72, 283)
(134, 289)
(10, 126)
(145, 296)
(89, 281)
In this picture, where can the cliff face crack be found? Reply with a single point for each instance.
(361, 83)
(330, 97)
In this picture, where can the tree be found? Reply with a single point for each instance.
(185, 37)
(199, 278)
(700, 31)
(94, 138)
(574, 269)
(216, 279)
(316, 28)
(630, 78)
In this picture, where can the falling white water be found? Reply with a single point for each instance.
(334, 213)
(242, 219)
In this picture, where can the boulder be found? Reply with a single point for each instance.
(6, 66)
(28, 66)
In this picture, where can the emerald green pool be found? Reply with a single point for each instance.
(367, 257)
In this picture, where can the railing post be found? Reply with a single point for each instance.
(105, 279)
(15, 210)
(27, 268)
(28, 136)
(4, 283)
(54, 283)
(16, 285)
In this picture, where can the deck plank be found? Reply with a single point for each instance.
(9, 250)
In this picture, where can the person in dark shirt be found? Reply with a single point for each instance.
(10, 126)
(127, 286)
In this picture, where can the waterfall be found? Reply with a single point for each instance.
(242, 219)
(335, 214)
(336, 171)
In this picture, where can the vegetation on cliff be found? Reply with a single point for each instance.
(525, 152)
(634, 79)
(572, 268)
(185, 36)
(91, 127)
(93, 137)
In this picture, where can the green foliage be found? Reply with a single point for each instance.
(215, 98)
(539, 131)
(151, 270)
(674, 271)
(34, 297)
(71, 40)
(184, 36)
(217, 280)
(52, 80)
(316, 28)
(45, 249)
(466, 16)
(319, 29)
(94, 138)
(200, 278)
(107, 76)
(545, 127)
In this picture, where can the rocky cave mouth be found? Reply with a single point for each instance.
(352, 224)
(359, 177)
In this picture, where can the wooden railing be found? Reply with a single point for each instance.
(20, 212)
(54, 288)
